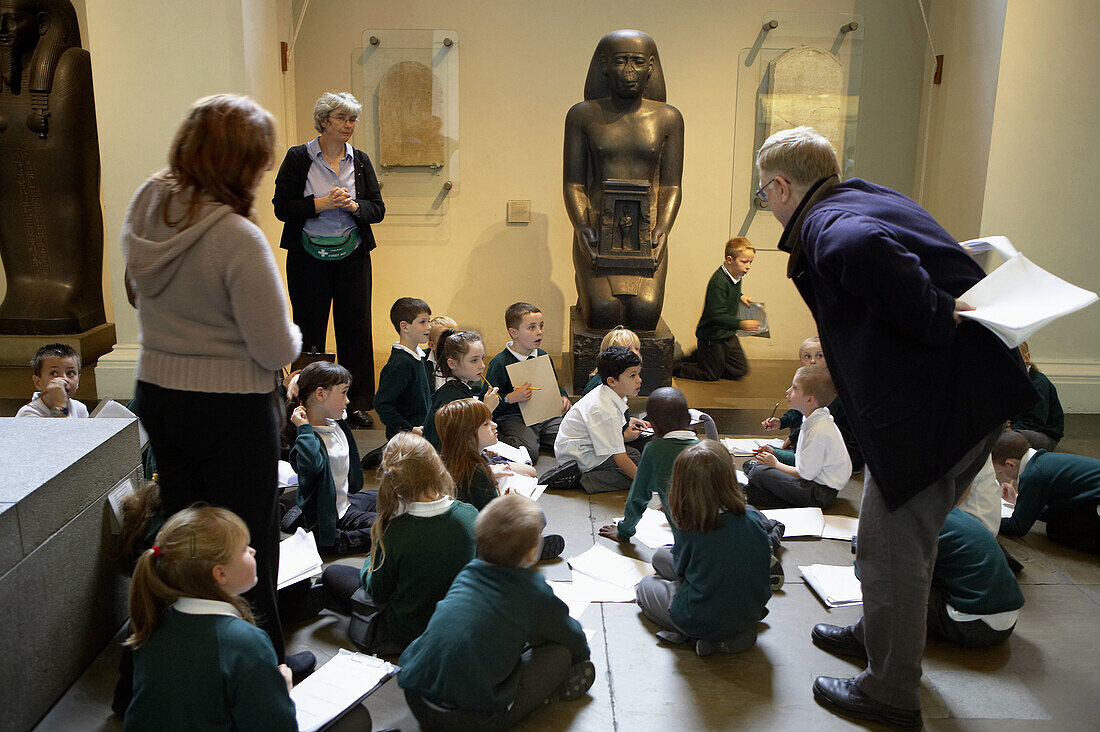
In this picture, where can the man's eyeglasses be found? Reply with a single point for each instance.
(761, 194)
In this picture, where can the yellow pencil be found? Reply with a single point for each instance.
(535, 388)
(773, 410)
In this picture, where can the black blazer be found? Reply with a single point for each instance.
(293, 207)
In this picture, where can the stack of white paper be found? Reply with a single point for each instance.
(1007, 509)
(842, 528)
(836, 586)
(653, 528)
(521, 484)
(111, 409)
(298, 558)
(585, 588)
(330, 691)
(1018, 298)
(506, 451)
(746, 447)
(603, 564)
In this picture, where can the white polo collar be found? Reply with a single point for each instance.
(729, 275)
(417, 354)
(532, 354)
(1024, 461)
(427, 509)
(679, 435)
(202, 606)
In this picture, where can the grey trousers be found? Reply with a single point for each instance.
(512, 431)
(542, 669)
(655, 593)
(1038, 440)
(772, 488)
(896, 551)
(970, 633)
(608, 476)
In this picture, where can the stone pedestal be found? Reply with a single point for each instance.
(16, 352)
(62, 599)
(656, 353)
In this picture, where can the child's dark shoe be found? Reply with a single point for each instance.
(749, 466)
(292, 519)
(301, 665)
(565, 476)
(775, 573)
(579, 680)
(552, 547)
(738, 643)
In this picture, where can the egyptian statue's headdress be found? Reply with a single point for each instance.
(62, 33)
(596, 85)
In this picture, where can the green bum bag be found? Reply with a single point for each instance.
(330, 248)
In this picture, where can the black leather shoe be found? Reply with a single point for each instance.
(749, 466)
(844, 697)
(838, 640)
(562, 478)
(552, 547)
(301, 664)
(360, 420)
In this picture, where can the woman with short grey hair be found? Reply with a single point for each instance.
(327, 196)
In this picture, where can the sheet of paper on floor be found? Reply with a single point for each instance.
(336, 687)
(590, 634)
(524, 485)
(572, 596)
(593, 590)
(746, 447)
(836, 586)
(1007, 509)
(653, 529)
(506, 451)
(741, 477)
(798, 522)
(298, 558)
(604, 564)
(842, 528)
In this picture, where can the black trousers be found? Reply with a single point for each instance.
(345, 286)
(223, 449)
(1079, 528)
(714, 360)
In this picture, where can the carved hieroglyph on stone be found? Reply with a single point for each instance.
(409, 127)
(806, 87)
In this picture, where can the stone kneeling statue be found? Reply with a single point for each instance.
(624, 154)
(51, 224)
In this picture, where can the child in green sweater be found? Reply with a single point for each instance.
(719, 355)
(500, 644)
(1060, 489)
(462, 363)
(713, 586)
(420, 540)
(330, 492)
(1043, 425)
(404, 394)
(466, 427)
(200, 662)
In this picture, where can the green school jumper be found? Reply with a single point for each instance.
(478, 490)
(725, 583)
(719, 321)
(1055, 482)
(468, 656)
(422, 556)
(1046, 416)
(403, 394)
(452, 391)
(316, 494)
(497, 375)
(208, 672)
(654, 473)
(972, 570)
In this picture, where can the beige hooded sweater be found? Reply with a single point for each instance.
(211, 304)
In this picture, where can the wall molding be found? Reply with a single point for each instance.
(1077, 381)
(114, 372)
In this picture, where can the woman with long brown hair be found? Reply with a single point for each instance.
(214, 329)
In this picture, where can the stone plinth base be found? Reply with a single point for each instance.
(16, 352)
(61, 597)
(656, 353)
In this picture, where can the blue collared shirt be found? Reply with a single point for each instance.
(322, 179)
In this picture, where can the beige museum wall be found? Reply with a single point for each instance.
(1012, 151)
(523, 64)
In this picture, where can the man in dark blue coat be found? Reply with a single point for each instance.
(926, 393)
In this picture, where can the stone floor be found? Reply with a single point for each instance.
(1045, 677)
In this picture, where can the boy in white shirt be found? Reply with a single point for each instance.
(56, 376)
(821, 462)
(592, 433)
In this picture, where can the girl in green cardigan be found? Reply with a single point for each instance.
(714, 587)
(462, 364)
(199, 659)
(466, 427)
(326, 459)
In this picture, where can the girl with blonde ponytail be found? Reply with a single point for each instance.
(199, 659)
(420, 540)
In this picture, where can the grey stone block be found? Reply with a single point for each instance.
(11, 547)
(657, 353)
